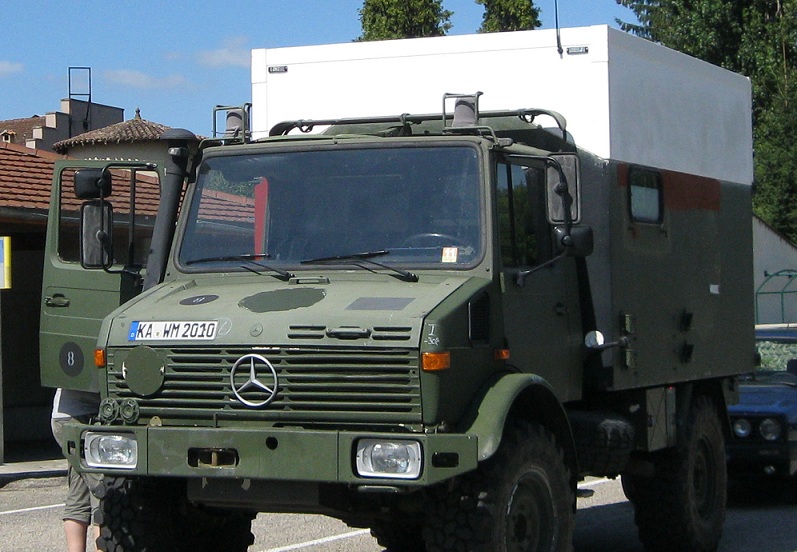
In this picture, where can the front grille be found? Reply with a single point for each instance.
(324, 385)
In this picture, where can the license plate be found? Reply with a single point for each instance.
(147, 331)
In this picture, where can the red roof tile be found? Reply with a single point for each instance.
(25, 176)
(133, 130)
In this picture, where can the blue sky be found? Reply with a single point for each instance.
(176, 60)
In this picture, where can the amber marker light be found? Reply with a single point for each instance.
(432, 362)
(99, 358)
(501, 354)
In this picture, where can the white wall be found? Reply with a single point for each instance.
(773, 253)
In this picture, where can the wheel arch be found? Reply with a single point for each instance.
(520, 396)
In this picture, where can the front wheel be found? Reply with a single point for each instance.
(399, 533)
(154, 515)
(519, 500)
(682, 507)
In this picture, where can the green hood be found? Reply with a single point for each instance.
(260, 310)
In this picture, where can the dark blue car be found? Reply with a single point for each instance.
(764, 422)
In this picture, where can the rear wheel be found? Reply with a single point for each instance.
(519, 500)
(152, 515)
(683, 506)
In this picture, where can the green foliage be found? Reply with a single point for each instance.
(509, 15)
(757, 38)
(775, 198)
(775, 355)
(389, 19)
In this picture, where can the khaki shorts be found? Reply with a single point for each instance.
(81, 500)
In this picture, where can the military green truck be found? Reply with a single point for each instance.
(433, 326)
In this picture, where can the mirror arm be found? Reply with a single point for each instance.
(621, 342)
(520, 278)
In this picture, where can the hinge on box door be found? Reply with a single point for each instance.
(628, 328)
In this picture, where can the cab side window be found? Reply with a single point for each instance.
(645, 195)
(523, 228)
(134, 215)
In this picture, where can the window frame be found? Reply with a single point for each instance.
(636, 215)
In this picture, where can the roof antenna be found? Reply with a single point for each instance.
(558, 38)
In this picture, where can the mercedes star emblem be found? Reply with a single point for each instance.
(254, 363)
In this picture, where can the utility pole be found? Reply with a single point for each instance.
(5, 283)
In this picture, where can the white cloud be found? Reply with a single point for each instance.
(234, 53)
(138, 79)
(9, 67)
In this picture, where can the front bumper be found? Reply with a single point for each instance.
(271, 454)
(757, 458)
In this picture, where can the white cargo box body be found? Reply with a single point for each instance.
(624, 98)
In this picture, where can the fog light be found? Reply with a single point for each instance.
(390, 458)
(742, 428)
(109, 450)
(770, 429)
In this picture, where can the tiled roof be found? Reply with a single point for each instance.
(25, 176)
(26, 180)
(133, 130)
(22, 128)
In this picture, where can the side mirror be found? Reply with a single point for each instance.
(578, 242)
(595, 341)
(92, 183)
(96, 234)
(563, 187)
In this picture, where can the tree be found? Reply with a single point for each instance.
(757, 38)
(509, 15)
(389, 19)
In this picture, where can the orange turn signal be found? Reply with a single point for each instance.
(432, 362)
(501, 354)
(99, 358)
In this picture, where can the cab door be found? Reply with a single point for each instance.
(76, 299)
(541, 310)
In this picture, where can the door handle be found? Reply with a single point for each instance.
(56, 300)
(560, 309)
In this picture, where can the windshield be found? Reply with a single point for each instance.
(413, 205)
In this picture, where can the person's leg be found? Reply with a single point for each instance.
(77, 512)
(75, 532)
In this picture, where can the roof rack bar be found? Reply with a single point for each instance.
(307, 125)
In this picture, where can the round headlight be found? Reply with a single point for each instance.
(742, 428)
(770, 429)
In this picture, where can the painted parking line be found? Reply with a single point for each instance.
(594, 482)
(325, 540)
(34, 509)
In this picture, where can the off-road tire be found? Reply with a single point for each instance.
(399, 534)
(682, 507)
(521, 499)
(153, 515)
(627, 484)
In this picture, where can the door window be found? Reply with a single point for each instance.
(523, 228)
(134, 198)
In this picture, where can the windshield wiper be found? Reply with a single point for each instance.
(359, 259)
(248, 257)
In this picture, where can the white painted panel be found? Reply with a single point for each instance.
(626, 99)
(673, 111)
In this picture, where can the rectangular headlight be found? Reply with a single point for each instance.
(389, 458)
(110, 450)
